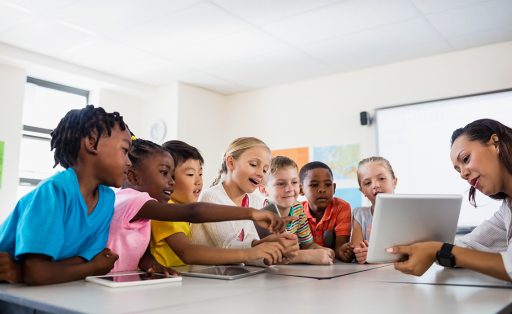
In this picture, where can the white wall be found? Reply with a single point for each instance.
(325, 111)
(201, 117)
(12, 86)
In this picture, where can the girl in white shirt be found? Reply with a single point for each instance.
(375, 175)
(482, 153)
(246, 161)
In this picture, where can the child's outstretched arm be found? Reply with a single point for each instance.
(208, 212)
(321, 256)
(10, 270)
(149, 264)
(39, 269)
(270, 252)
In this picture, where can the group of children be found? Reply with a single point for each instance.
(72, 225)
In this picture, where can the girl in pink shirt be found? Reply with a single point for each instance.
(146, 195)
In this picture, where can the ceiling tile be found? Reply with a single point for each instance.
(13, 15)
(473, 18)
(487, 37)
(48, 38)
(195, 24)
(344, 18)
(432, 6)
(210, 82)
(391, 42)
(285, 65)
(153, 71)
(264, 11)
(116, 15)
(245, 44)
(104, 55)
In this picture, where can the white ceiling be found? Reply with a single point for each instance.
(232, 46)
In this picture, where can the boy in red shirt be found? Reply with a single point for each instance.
(329, 217)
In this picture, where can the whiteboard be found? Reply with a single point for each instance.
(415, 139)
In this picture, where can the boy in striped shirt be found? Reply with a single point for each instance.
(282, 188)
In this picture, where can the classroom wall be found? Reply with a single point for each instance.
(12, 86)
(201, 117)
(325, 111)
(141, 112)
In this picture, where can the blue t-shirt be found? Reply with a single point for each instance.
(52, 220)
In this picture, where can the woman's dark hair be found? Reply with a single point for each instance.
(181, 152)
(142, 149)
(77, 124)
(482, 131)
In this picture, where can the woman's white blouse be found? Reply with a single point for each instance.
(493, 235)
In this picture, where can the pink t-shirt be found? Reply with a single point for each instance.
(129, 239)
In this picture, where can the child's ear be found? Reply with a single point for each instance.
(301, 192)
(90, 143)
(229, 163)
(131, 176)
(334, 186)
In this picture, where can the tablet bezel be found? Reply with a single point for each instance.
(195, 271)
(113, 284)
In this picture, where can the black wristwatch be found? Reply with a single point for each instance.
(445, 257)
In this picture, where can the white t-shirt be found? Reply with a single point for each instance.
(363, 216)
(236, 234)
(493, 235)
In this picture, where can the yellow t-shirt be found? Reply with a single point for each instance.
(160, 230)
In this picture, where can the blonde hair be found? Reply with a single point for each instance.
(236, 149)
(281, 162)
(378, 159)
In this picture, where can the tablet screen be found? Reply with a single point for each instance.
(134, 277)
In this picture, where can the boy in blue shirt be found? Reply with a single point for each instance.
(58, 232)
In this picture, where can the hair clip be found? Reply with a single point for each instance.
(134, 137)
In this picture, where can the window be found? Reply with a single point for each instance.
(44, 105)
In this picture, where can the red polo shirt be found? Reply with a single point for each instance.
(336, 220)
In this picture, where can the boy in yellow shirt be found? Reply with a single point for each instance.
(170, 241)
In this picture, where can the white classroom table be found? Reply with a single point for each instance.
(377, 290)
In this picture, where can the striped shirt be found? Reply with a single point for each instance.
(299, 227)
(493, 235)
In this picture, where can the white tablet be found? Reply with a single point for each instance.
(222, 272)
(132, 279)
(403, 219)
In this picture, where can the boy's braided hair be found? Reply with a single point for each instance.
(77, 124)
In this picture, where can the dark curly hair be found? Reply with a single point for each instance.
(141, 149)
(77, 124)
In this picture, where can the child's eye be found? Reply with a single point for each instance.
(366, 183)
(465, 159)
(252, 164)
(313, 185)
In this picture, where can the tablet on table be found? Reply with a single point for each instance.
(136, 278)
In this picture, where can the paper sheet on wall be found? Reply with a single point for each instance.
(299, 154)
